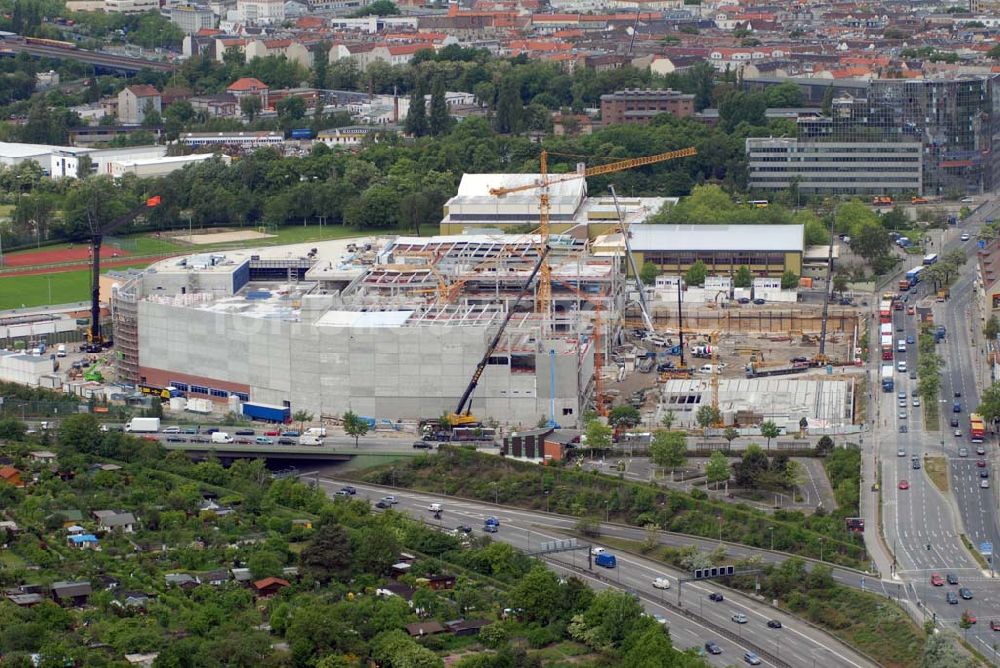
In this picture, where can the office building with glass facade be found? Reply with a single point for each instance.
(953, 118)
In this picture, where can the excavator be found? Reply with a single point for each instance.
(96, 342)
(462, 417)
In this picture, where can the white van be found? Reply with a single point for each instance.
(221, 437)
(711, 368)
(61, 350)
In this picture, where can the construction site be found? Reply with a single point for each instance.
(490, 327)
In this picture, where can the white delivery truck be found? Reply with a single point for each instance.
(221, 437)
(310, 439)
(143, 425)
(317, 431)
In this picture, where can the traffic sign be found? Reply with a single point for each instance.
(986, 548)
(713, 572)
(981, 243)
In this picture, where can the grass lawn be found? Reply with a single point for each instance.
(937, 471)
(33, 290)
(6, 210)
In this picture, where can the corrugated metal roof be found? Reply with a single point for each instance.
(717, 237)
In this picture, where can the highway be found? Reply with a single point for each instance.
(922, 525)
(795, 644)
(107, 61)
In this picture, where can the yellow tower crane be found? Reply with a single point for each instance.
(544, 297)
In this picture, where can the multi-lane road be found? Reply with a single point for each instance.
(922, 525)
(795, 644)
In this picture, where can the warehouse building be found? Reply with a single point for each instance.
(768, 250)
(391, 330)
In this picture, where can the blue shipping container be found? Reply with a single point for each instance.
(302, 133)
(269, 413)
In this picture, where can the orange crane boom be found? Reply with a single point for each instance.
(543, 298)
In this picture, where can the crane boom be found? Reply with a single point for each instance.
(457, 417)
(95, 340)
(609, 168)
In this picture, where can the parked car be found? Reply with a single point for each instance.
(995, 625)
(965, 593)
(937, 580)
(965, 237)
(952, 579)
(951, 598)
(743, 300)
(759, 301)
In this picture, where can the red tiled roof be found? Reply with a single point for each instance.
(268, 582)
(8, 472)
(207, 32)
(247, 83)
(143, 90)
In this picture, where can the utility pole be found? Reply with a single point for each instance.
(680, 318)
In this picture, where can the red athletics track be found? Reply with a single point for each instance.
(79, 253)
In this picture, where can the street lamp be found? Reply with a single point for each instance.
(546, 500)
(720, 527)
(821, 549)
(771, 530)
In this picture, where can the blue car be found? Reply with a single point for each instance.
(910, 339)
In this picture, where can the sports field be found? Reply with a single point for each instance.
(34, 289)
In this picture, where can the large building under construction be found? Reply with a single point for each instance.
(391, 330)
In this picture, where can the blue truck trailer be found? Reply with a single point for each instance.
(267, 413)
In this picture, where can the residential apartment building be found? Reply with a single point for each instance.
(835, 168)
(192, 18)
(249, 86)
(638, 106)
(135, 100)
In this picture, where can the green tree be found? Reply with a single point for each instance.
(250, 106)
(539, 595)
(598, 434)
(302, 416)
(730, 434)
(509, 118)
(769, 430)
(328, 554)
(840, 281)
(989, 404)
(789, 280)
(80, 433)
(416, 117)
(649, 648)
(668, 449)
(264, 563)
(377, 8)
(872, 242)
(623, 416)
(668, 419)
(151, 118)
(717, 468)
(12, 429)
(649, 272)
(696, 274)
(743, 277)
(992, 328)
(825, 445)
(355, 426)
(752, 467)
(439, 121)
(994, 53)
(611, 616)
(707, 415)
(375, 550)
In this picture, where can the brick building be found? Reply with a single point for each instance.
(637, 106)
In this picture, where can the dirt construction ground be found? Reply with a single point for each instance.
(222, 237)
